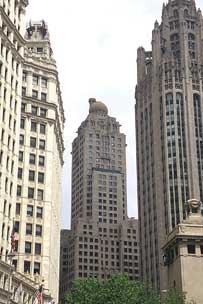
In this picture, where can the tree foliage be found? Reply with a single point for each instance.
(118, 289)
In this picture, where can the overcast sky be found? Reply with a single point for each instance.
(95, 44)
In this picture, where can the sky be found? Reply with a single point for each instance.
(95, 45)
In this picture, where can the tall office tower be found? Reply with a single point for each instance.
(103, 239)
(37, 218)
(11, 58)
(169, 129)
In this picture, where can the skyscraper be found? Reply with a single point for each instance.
(104, 240)
(169, 130)
(12, 45)
(37, 212)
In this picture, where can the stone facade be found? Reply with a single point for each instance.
(16, 288)
(183, 254)
(104, 240)
(37, 217)
(169, 103)
(11, 59)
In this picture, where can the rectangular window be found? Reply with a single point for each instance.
(28, 247)
(29, 210)
(19, 190)
(31, 175)
(43, 112)
(39, 212)
(40, 194)
(42, 129)
(33, 142)
(43, 97)
(34, 94)
(35, 80)
(28, 229)
(21, 139)
(38, 230)
(20, 156)
(191, 248)
(24, 78)
(41, 161)
(201, 248)
(38, 248)
(23, 91)
(42, 144)
(36, 268)
(41, 177)
(18, 207)
(20, 173)
(30, 192)
(32, 160)
(26, 267)
(22, 123)
(16, 226)
(44, 82)
(34, 110)
(33, 126)
(23, 107)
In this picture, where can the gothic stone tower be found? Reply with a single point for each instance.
(169, 129)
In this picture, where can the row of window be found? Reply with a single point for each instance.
(31, 193)
(32, 175)
(30, 211)
(32, 159)
(34, 126)
(33, 142)
(35, 94)
(36, 80)
(35, 110)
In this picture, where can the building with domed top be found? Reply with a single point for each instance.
(104, 240)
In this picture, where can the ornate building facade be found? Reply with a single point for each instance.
(169, 130)
(12, 45)
(38, 203)
(104, 240)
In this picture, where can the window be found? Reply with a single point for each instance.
(39, 212)
(22, 123)
(19, 190)
(32, 160)
(42, 144)
(38, 248)
(41, 161)
(31, 175)
(44, 82)
(18, 207)
(201, 248)
(40, 194)
(34, 110)
(16, 226)
(29, 210)
(23, 107)
(28, 247)
(42, 129)
(20, 173)
(33, 142)
(36, 268)
(28, 229)
(34, 94)
(191, 248)
(33, 126)
(43, 97)
(40, 177)
(23, 91)
(38, 230)
(21, 140)
(35, 80)
(24, 78)
(30, 192)
(26, 267)
(43, 112)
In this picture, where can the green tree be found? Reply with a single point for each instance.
(118, 289)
